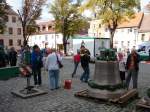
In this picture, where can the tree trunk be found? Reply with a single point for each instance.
(25, 41)
(112, 32)
(65, 44)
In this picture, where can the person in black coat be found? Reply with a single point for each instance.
(12, 57)
(85, 59)
(2, 57)
(132, 66)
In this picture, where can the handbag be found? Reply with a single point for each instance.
(60, 65)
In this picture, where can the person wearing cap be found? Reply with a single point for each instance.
(132, 66)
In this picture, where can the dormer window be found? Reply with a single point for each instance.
(14, 19)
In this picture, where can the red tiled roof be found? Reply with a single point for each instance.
(133, 22)
(145, 25)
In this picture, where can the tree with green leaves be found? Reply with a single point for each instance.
(112, 12)
(29, 12)
(67, 18)
(3, 14)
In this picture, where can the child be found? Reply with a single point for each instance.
(76, 59)
(122, 69)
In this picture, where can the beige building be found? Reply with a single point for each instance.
(97, 29)
(144, 31)
(12, 37)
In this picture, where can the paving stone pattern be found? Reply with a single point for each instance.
(61, 100)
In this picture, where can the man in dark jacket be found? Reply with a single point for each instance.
(13, 57)
(2, 57)
(132, 66)
(36, 62)
(85, 59)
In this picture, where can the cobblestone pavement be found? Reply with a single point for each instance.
(61, 100)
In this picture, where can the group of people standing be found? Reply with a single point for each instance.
(37, 60)
(8, 57)
(83, 56)
(129, 66)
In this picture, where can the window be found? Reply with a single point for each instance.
(135, 31)
(57, 36)
(99, 25)
(39, 37)
(142, 38)
(19, 42)
(128, 43)
(38, 29)
(106, 29)
(122, 43)
(43, 28)
(1, 42)
(94, 25)
(13, 19)
(10, 42)
(49, 27)
(46, 39)
(99, 34)
(19, 31)
(130, 29)
(6, 18)
(10, 30)
(52, 36)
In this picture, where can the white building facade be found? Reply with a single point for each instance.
(126, 35)
(46, 36)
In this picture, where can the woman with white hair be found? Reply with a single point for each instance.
(53, 69)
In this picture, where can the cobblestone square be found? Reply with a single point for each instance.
(62, 100)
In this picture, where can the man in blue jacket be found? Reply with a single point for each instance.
(36, 62)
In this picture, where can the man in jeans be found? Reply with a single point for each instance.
(36, 62)
(132, 67)
(85, 59)
(76, 59)
(53, 69)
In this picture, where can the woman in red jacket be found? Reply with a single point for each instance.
(76, 59)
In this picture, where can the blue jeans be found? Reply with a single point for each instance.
(75, 68)
(54, 79)
(86, 74)
(134, 75)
